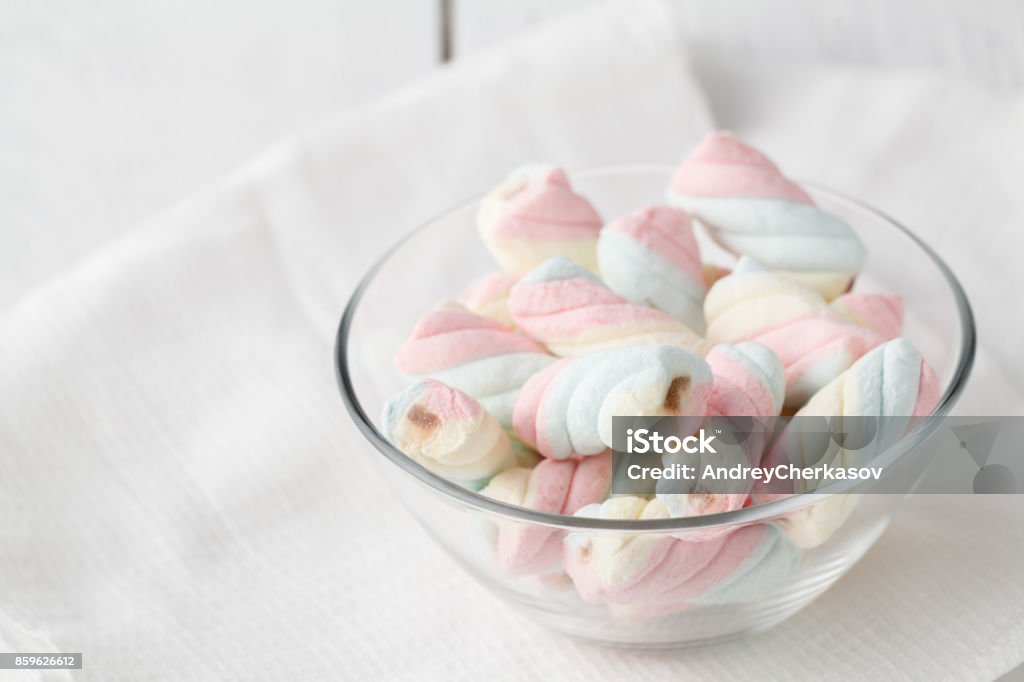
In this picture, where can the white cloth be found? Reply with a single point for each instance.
(175, 495)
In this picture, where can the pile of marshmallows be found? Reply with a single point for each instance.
(518, 381)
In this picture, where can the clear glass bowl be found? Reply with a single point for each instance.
(441, 258)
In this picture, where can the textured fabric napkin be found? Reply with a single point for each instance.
(175, 497)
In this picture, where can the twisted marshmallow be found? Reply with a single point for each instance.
(533, 215)
(749, 380)
(488, 296)
(894, 387)
(566, 409)
(880, 312)
(555, 487)
(473, 354)
(567, 308)
(749, 207)
(447, 432)
(747, 392)
(651, 258)
(659, 574)
(893, 382)
(812, 339)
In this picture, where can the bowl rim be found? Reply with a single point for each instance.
(752, 514)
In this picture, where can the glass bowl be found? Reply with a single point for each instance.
(438, 260)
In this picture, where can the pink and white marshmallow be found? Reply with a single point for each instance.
(749, 381)
(814, 341)
(892, 388)
(658, 574)
(555, 487)
(534, 214)
(568, 309)
(882, 313)
(447, 432)
(651, 258)
(750, 207)
(565, 410)
(893, 381)
(474, 354)
(746, 396)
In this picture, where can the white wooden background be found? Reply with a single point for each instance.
(113, 109)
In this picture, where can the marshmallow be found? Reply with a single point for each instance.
(747, 393)
(812, 339)
(447, 432)
(488, 296)
(566, 409)
(814, 351)
(532, 215)
(564, 306)
(892, 386)
(651, 258)
(881, 313)
(555, 487)
(749, 207)
(812, 525)
(893, 381)
(657, 574)
(749, 380)
(473, 354)
(752, 298)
